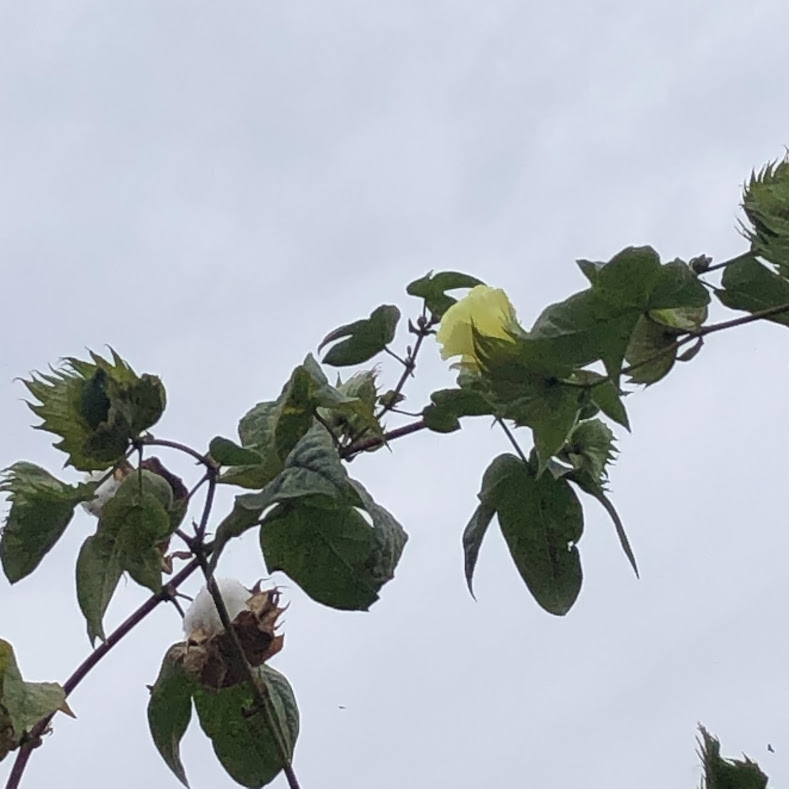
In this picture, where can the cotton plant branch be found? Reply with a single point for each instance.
(166, 593)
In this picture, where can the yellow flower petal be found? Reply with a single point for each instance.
(486, 309)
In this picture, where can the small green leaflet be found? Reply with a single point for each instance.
(448, 406)
(433, 289)
(41, 509)
(227, 453)
(363, 339)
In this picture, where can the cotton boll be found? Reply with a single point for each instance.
(104, 492)
(202, 614)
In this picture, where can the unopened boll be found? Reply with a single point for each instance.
(202, 614)
(104, 492)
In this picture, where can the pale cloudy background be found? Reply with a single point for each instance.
(211, 187)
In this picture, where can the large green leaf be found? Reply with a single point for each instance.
(170, 710)
(23, 704)
(241, 738)
(751, 286)
(541, 520)
(41, 508)
(325, 549)
(597, 324)
(578, 331)
(433, 289)
(363, 338)
(324, 543)
(96, 408)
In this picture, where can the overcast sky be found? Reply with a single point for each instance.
(211, 187)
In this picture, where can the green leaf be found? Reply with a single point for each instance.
(227, 453)
(133, 522)
(323, 548)
(313, 468)
(23, 704)
(41, 508)
(720, 773)
(652, 351)
(96, 408)
(628, 279)
(272, 429)
(449, 405)
(98, 572)
(473, 535)
(541, 520)
(328, 548)
(242, 741)
(389, 538)
(364, 338)
(595, 489)
(578, 331)
(170, 710)
(432, 288)
(604, 394)
(749, 285)
(589, 452)
(678, 286)
(477, 527)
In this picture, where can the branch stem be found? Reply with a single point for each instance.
(87, 665)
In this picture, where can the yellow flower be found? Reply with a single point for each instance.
(489, 312)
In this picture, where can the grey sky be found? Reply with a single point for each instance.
(212, 187)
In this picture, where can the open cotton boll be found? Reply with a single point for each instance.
(104, 492)
(202, 614)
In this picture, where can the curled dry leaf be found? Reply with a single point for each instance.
(211, 659)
